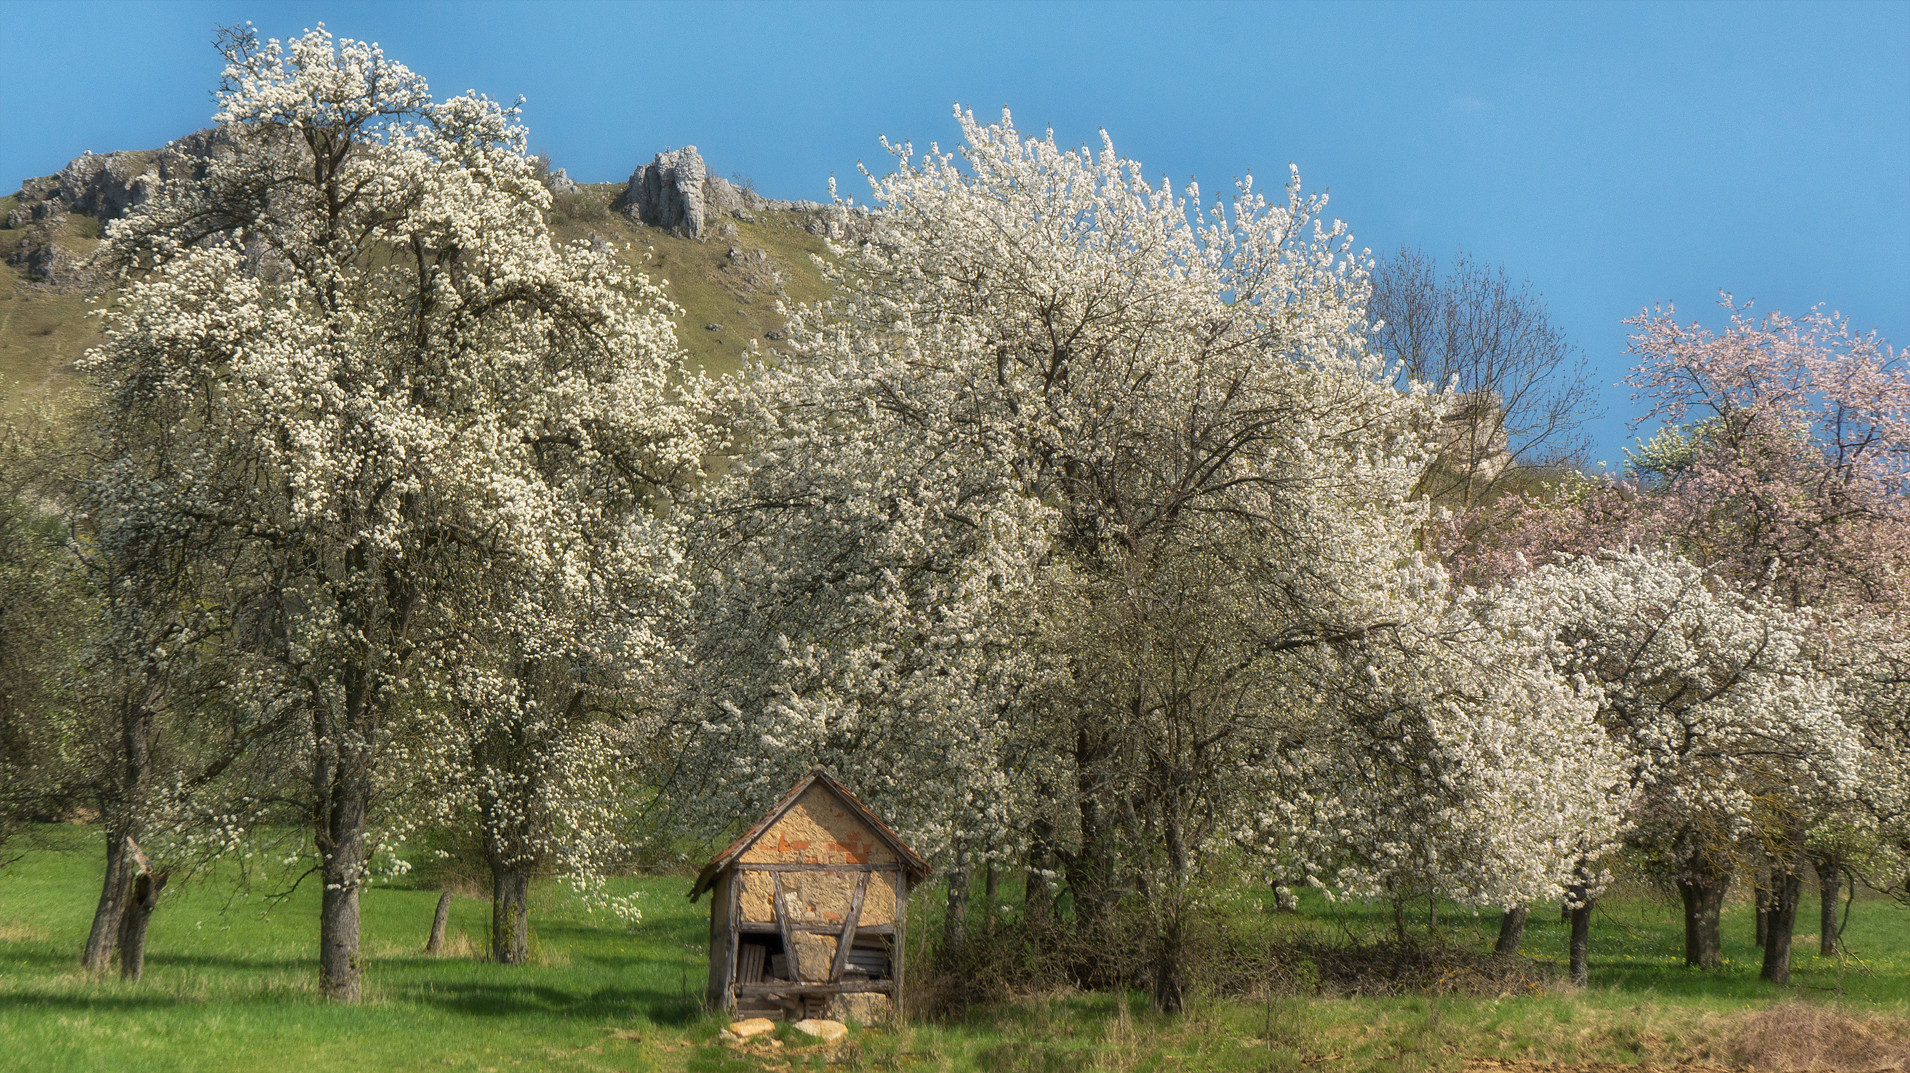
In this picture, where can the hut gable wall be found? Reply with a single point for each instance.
(819, 829)
(808, 909)
(817, 897)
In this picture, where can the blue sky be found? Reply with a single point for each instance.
(1615, 154)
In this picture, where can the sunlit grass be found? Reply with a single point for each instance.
(231, 985)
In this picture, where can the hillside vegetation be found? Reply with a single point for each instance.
(733, 280)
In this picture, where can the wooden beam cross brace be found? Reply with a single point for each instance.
(782, 924)
(848, 935)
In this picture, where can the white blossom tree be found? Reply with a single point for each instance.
(1445, 758)
(1045, 519)
(1732, 737)
(551, 688)
(369, 350)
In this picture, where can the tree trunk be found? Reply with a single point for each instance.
(1787, 888)
(1091, 869)
(1830, 883)
(1581, 946)
(510, 915)
(344, 791)
(1170, 985)
(439, 919)
(1761, 897)
(1703, 895)
(1170, 968)
(139, 911)
(1038, 897)
(116, 890)
(955, 920)
(1511, 931)
(340, 972)
(991, 894)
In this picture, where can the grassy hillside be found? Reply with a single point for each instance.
(731, 280)
(43, 330)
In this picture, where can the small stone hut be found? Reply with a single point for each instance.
(807, 914)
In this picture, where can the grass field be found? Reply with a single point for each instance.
(231, 986)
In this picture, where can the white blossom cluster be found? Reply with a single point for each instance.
(1084, 504)
(438, 447)
(1454, 761)
(1729, 730)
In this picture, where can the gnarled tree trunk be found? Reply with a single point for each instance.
(1830, 884)
(1703, 895)
(1170, 960)
(139, 911)
(1580, 950)
(116, 889)
(1511, 931)
(510, 914)
(439, 920)
(343, 788)
(1090, 870)
(1786, 889)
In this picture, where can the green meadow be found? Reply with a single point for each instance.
(231, 985)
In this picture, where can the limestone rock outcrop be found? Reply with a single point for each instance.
(676, 192)
(105, 186)
(667, 192)
(108, 185)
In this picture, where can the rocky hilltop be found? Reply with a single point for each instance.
(676, 191)
(727, 255)
(103, 187)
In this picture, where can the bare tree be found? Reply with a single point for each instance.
(1523, 386)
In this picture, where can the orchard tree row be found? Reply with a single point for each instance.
(1096, 533)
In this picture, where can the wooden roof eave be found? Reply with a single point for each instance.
(913, 865)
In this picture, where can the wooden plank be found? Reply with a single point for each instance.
(897, 955)
(749, 963)
(759, 927)
(849, 928)
(787, 987)
(782, 923)
(735, 900)
(770, 866)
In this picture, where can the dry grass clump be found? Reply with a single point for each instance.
(1800, 1036)
(1388, 968)
(21, 933)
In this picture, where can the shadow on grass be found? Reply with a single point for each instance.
(507, 999)
(80, 1002)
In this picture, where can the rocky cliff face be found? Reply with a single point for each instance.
(676, 192)
(105, 186)
(108, 185)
